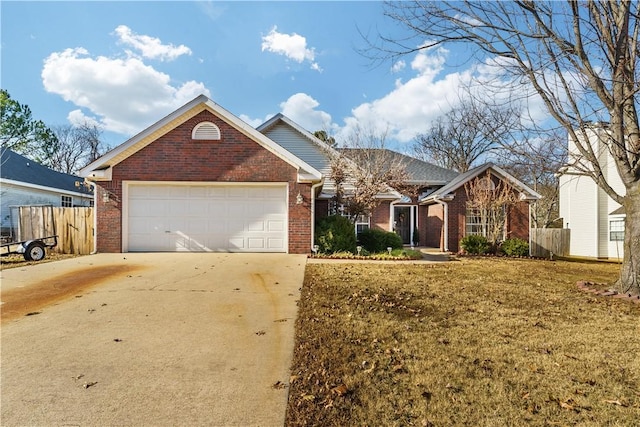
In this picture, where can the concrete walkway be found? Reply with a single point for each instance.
(149, 339)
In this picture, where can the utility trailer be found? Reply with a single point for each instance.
(33, 228)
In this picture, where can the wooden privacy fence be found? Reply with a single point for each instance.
(74, 227)
(75, 230)
(544, 241)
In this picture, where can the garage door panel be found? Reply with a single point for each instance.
(275, 225)
(207, 218)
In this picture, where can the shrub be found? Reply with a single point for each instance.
(376, 241)
(475, 244)
(515, 247)
(335, 233)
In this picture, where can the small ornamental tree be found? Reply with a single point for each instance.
(363, 169)
(489, 204)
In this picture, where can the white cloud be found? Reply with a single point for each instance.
(254, 122)
(301, 108)
(124, 95)
(398, 66)
(150, 47)
(78, 118)
(411, 106)
(293, 46)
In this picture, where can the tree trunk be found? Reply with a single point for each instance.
(629, 281)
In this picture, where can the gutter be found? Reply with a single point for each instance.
(443, 201)
(445, 222)
(313, 211)
(95, 215)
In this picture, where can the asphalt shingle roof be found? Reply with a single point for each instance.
(418, 170)
(15, 167)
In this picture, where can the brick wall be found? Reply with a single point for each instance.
(431, 233)
(380, 217)
(176, 157)
(518, 221)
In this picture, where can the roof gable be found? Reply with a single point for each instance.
(305, 171)
(15, 167)
(447, 190)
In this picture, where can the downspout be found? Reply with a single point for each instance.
(95, 215)
(313, 211)
(445, 221)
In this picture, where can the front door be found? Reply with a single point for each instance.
(402, 223)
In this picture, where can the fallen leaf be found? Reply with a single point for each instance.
(340, 390)
(90, 384)
(278, 385)
(260, 333)
(308, 397)
(615, 402)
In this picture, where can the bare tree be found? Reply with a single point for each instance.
(579, 58)
(469, 132)
(535, 159)
(363, 169)
(489, 204)
(77, 146)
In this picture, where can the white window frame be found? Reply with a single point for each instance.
(476, 227)
(66, 201)
(616, 230)
(362, 222)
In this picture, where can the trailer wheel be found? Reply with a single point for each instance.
(35, 251)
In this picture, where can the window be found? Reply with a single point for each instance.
(489, 223)
(206, 131)
(362, 222)
(66, 202)
(616, 230)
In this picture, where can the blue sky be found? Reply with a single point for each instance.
(125, 65)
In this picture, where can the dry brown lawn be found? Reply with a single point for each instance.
(478, 342)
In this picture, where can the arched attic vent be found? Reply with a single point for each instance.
(206, 131)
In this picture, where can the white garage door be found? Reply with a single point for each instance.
(201, 218)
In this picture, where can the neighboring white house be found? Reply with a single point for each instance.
(25, 182)
(595, 220)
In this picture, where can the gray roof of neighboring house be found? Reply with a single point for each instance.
(418, 170)
(619, 211)
(15, 167)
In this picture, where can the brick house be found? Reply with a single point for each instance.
(201, 179)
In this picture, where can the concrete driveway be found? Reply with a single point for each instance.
(149, 339)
